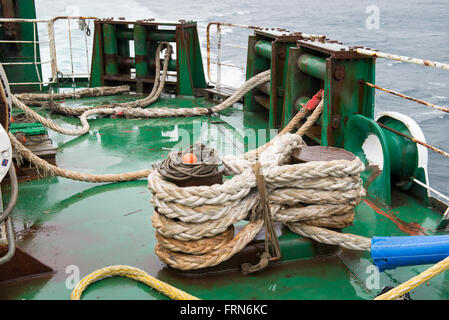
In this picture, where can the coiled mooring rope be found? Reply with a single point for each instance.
(199, 213)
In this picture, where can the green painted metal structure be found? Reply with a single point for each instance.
(269, 50)
(20, 52)
(113, 64)
(31, 129)
(337, 69)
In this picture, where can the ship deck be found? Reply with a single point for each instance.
(67, 223)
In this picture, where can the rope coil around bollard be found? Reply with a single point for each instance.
(204, 213)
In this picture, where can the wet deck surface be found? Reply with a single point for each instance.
(66, 223)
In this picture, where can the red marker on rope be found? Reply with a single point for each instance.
(316, 99)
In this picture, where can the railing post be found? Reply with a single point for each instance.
(218, 56)
(35, 43)
(208, 50)
(71, 51)
(52, 45)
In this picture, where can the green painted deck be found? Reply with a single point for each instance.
(63, 222)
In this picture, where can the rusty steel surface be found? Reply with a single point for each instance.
(214, 178)
(22, 266)
(320, 153)
(407, 97)
(422, 62)
(334, 48)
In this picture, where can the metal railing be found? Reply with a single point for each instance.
(52, 59)
(426, 63)
(219, 44)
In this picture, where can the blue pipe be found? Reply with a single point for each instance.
(392, 252)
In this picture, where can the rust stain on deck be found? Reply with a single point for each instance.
(411, 228)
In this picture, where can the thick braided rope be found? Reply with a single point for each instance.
(47, 168)
(132, 273)
(173, 200)
(415, 281)
(201, 246)
(145, 113)
(105, 110)
(199, 214)
(186, 231)
(184, 261)
(261, 78)
(88, 92)
(250, 155)
(40, 103)
(154, 95)
(322, 235)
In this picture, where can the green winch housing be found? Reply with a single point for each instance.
(300, 68)
(302, 65)
(269, 50)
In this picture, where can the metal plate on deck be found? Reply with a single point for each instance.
(22, 266)
(320, 153)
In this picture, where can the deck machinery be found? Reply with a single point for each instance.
(300, 67)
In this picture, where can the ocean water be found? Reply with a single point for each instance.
(412, 28)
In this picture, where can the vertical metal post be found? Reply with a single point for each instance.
(110, 49)
(35, 54)
(87, 49)
(71, 52)
(141, 51)
(52, 47)
(218, 56)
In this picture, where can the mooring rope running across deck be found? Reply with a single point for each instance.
(175, 168)
(102, 109)
(31, 98)
(135, 109)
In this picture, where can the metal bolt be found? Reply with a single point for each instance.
(339, 73)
